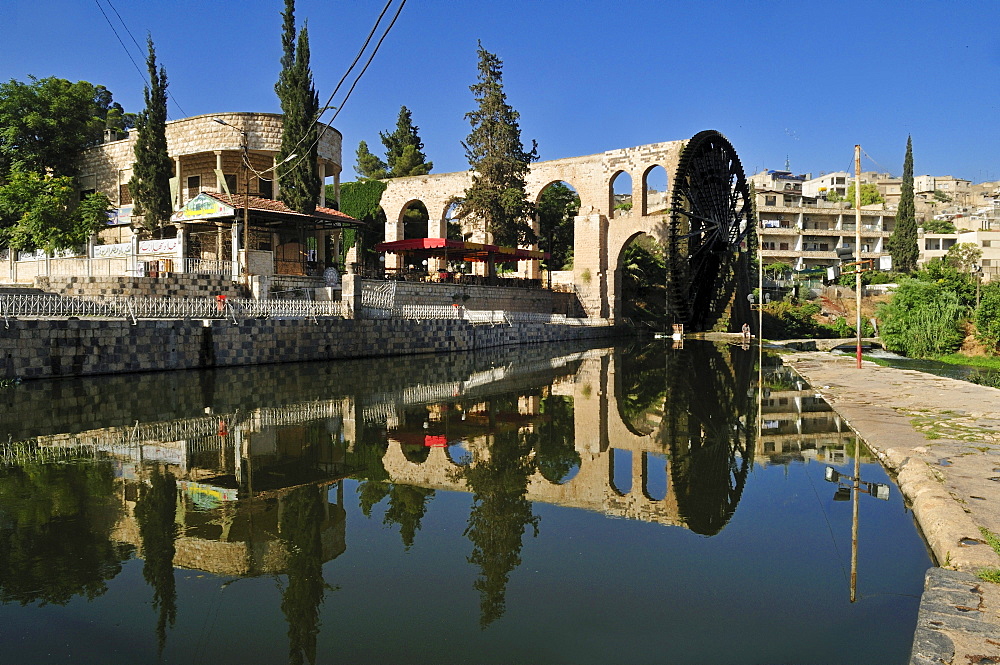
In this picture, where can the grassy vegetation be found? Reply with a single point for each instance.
(990, 574)
(990, 362)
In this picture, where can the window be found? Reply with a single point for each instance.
(231, 182)
(193, 186)
(783, 246)
(770, 200)
(789, 200)
(266, 188)
(124, 196)
(839, 181)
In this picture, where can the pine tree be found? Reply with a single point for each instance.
(403, 148)
(298, 182)
(152, 170)
(369, 166)
(903, 242)
(498, 159)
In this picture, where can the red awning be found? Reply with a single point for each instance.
(459, 250)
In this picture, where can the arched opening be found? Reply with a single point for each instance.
(558, 203)
(621, 470)
(556, 457)
(414, 217)
(620, 190)
(453, 227)
(654, 191)
(459, 453)
(642, 281)
(654, 476)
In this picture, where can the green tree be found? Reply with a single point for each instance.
(941, 196)
(938, 226)
(153, 168)
(960, 282)
(44, 124)
(403, 148)
(299, 181)
(43, 212)
(869, 195)
(369, 166)
(407, 507)
(922, 319)
(988, 316)
(557, 206)
(903, 241)
(963, 256)
(498, 159)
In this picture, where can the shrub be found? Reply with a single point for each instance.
(922, 319)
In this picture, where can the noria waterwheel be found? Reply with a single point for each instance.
(711, 237)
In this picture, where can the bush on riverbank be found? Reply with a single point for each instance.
(922, 319)
(788, 320)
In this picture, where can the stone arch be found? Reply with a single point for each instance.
(651, 180)
(616, 251)
(620, 470)
(617, 193)
(655, 479)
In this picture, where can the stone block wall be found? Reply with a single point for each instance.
(44, 348)
(178, 286)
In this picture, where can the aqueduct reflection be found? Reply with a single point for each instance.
(654, 433)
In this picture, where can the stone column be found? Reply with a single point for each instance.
(321, 169)
(180, 188)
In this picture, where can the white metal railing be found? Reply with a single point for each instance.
(129, 307)
(208, 267)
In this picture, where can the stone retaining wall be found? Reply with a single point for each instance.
(179, 285)
(44, 348)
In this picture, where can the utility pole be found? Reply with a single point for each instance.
(857, 241)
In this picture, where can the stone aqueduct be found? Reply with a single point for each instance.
(601, 233)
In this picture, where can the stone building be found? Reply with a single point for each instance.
(213, 188)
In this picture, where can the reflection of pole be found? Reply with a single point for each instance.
(854, 518)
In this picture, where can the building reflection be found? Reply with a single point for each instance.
(654, 433)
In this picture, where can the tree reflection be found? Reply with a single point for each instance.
(302, 518)
(154, 512)
(55, 527)
(555, 443)
(407, 506)
(500, 513)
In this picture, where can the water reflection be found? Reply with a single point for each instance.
(241, 473)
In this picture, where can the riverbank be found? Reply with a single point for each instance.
(941, 437)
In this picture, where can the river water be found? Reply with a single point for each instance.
(551, 504)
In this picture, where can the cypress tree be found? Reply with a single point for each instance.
(299, 180)
(903, 241)
(404, 149)
(152, 170)
(498, 159)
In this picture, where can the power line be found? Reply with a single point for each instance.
(371, 57)
(118, 37)
(347, 73)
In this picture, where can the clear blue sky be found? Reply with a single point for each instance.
(798, 79)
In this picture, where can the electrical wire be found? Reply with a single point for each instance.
(340, 107)
(118, 37)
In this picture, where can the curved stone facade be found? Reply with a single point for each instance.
(199, 145)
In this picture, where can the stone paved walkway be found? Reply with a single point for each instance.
(942, 438)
